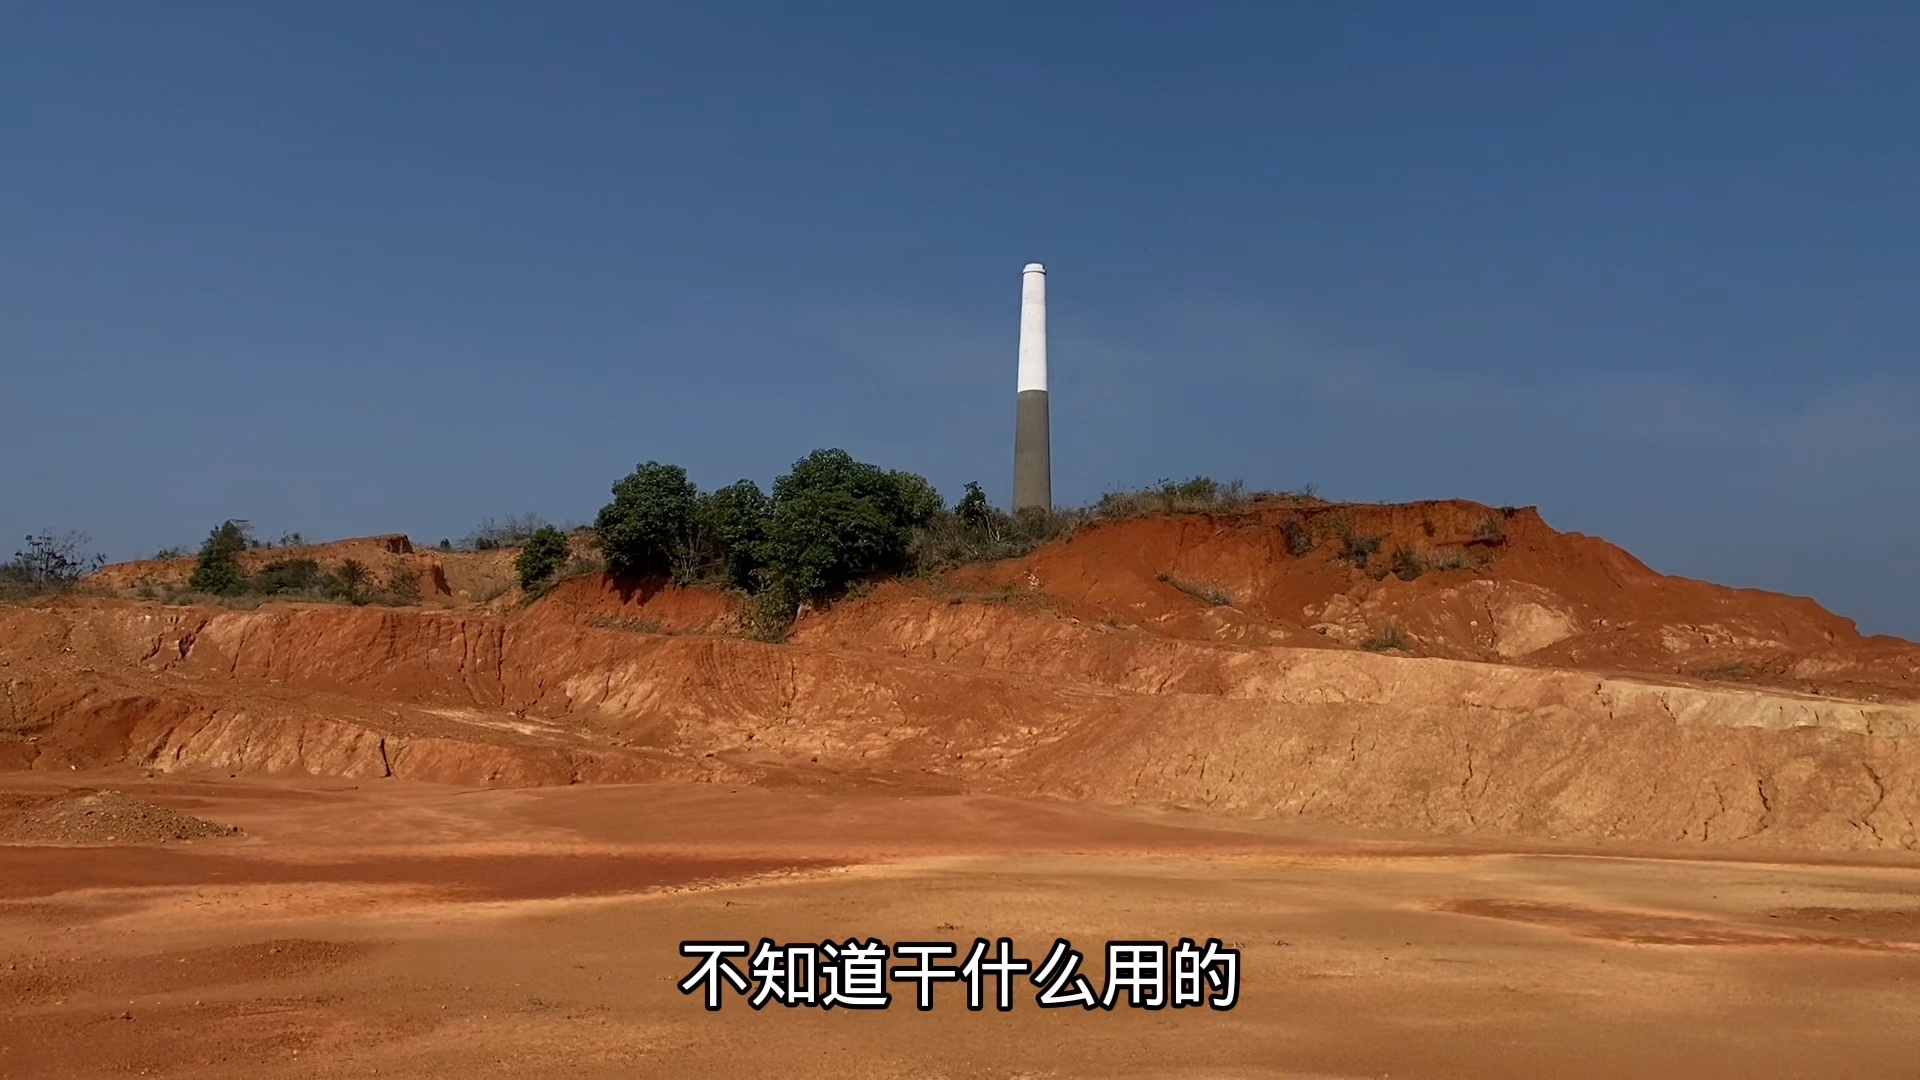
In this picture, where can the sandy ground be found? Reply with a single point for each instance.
(395, 929)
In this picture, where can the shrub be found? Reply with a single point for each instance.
(1299, 541)
(1201, 493)
(238, 601)
(632, 626)
(1389, 637)
(291, 576)
(770, 614)
(649, 521)
(491, 535)
(1033, 526)
(402, 585)
(50, 563)
(918, 501)
(1407, 564)
(732, 527)
(973, 513)
(218, 572)
(975, 531)
(351, 581)
(834, 521)
(1355, 548)
(1204, 591)
(541, 556)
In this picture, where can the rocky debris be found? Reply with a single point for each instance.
(86, 816)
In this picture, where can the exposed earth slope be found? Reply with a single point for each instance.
(1433, 667)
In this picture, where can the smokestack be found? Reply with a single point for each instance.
(1032, 454)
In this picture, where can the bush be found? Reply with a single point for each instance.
(1355, 548)
(973, 512)
(1390, 637)
(1738, 672)
(1299, 541)
(1199, 494)
(732, 530)
(218, 572)
(834, 521)
(351, 581)
(919, 502)
(769, 614)
(975, 531)
(48, 563)
(1407, 564)
(542, 555)
(402, 585)
(1204, 591)
(650, 520)
(632, 626)
(491, 535)
(291, 576)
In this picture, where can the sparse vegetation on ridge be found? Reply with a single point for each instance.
(49, 563)
(1196, 495)
(492, 535)
(220, 578)
(833, 522)
(1204, 591)
(1355, 548)
(830, 525)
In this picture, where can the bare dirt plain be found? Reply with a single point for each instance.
(406, 929)
(1571, 817)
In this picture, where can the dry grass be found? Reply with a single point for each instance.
(1204, 591)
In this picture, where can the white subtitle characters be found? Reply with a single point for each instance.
(854, 974)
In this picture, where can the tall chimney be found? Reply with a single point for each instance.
(1032, 454)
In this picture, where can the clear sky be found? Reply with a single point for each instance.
(353, 267)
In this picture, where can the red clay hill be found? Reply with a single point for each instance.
(1438, 666)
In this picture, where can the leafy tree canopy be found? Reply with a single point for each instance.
(733, 523)
(649, 521)
(541, 556)
(218, 571)
(835, 520)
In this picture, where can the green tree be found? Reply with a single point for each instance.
(918, 501)
(973, 511)
(218, 571)
(733, 523)
(541, 556)
(835, 521)
(649, 521)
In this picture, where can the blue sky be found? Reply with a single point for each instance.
(349, 268)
